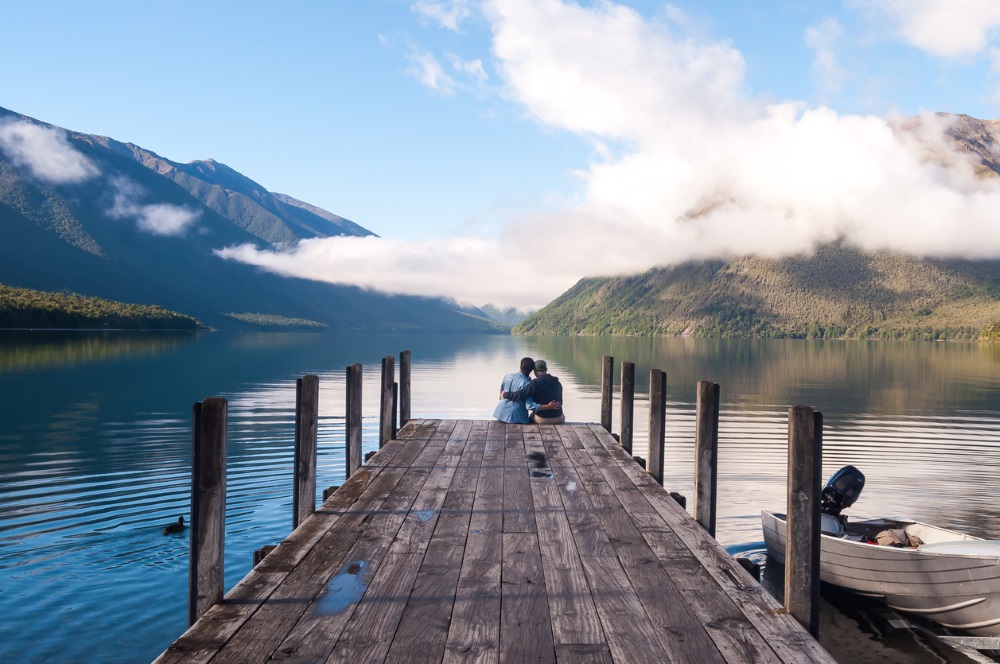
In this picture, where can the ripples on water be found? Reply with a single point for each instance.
(95, 459)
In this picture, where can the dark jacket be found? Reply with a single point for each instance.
(543, 389)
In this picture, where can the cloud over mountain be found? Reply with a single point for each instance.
(687, 164)
(45, 152)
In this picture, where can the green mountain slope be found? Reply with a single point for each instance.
(113, 233)
(23, 308)
(838, 292)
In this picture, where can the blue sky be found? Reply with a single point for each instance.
(453, 126)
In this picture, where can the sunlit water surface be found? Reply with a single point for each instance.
(95, 453)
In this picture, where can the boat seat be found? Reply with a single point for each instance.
(831, 525)
(964, 547)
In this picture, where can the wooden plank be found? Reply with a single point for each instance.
(631, 636)
(789, 641)
(589, 536)
(299, 618)
(223, 620)
(525, 632)
(682, 634)
(369, 634)
(518, 517)
(733, 634)
(573, 615)
(474, 633)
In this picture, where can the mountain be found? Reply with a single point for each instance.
(508, 316)
(837, 292)
(98, 217)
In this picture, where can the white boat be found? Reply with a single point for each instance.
(949, 577)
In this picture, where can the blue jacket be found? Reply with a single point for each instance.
(514, 412)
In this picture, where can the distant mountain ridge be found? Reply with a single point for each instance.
(99, 217)
(837, 292)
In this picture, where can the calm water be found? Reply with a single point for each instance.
(95, 454)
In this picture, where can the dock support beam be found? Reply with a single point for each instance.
(386, 410)
(706, 447)
(306, 430)
(657, 422)
(628, 404)
(404, 388)
(802, 535)
(208, 506)
(353, 452)
(607, 391)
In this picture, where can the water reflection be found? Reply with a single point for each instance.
(95, 447)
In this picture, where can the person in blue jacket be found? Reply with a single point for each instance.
(515, 411)
(545, 389)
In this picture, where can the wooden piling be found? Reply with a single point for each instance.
(802, 535)
(395, 409)
(404, 388)
(306, 428)
(208, 506)
(706, 454)
(386, 415)
(628, 404)
(353, 437)
(607, 391)
(657, 422)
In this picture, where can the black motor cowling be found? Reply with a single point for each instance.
(842, 490)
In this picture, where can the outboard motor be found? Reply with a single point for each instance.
(842, 490)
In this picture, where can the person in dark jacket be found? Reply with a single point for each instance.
(544, 389)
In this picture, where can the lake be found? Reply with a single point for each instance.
(95, 432)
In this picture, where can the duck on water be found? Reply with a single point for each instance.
(176, 527)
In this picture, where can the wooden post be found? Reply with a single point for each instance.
(657, 422)
(607, 388)
(404, 388)
(706, 445)
(208, 506)
(353, 451)
(802, 534)
(395, 409)
(386, 415)
(306, 428)
(628, 404)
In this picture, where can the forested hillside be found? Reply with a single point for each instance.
(838, 292)
(24, 308)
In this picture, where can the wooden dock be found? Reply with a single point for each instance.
(481, 541)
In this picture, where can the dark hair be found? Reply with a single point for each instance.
(527, 365)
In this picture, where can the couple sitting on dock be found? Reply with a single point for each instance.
(542, 396)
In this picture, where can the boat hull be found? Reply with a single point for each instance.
(957, 590)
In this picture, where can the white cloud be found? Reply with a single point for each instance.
(449, 14)
(945, 28)
(156, 218)
(45, 152)
(822, 38)
(428, 70)
(690, 167)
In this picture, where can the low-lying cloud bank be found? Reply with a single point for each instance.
(691, 167)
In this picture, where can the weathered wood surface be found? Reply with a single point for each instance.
(306, 433)
(480, 541)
